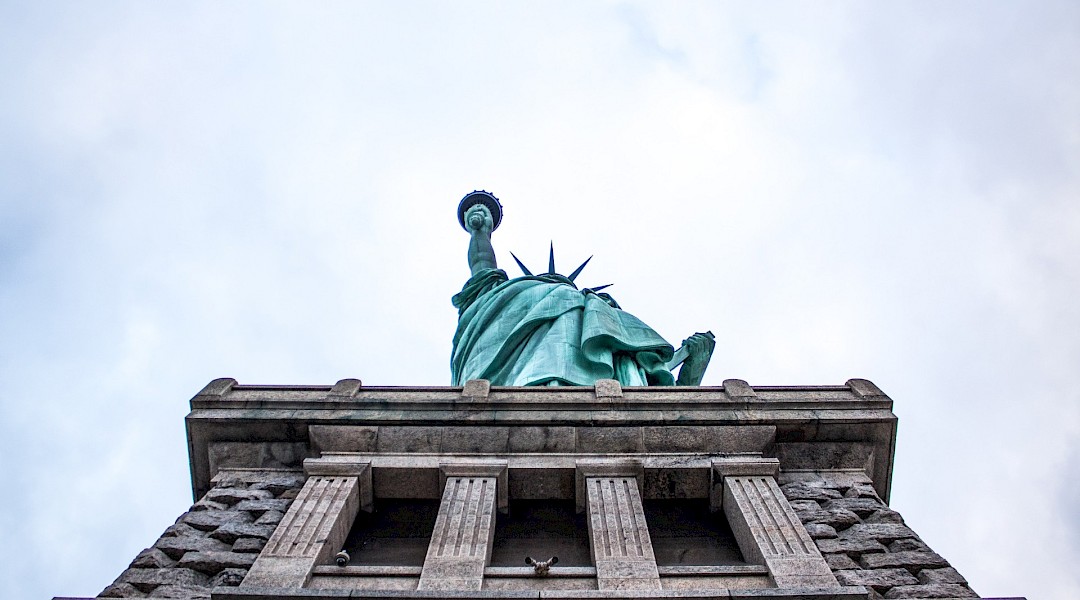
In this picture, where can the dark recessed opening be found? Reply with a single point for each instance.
(541, 529)
(397, 533)
(686, 532)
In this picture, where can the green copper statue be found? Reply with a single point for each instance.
(543, 330)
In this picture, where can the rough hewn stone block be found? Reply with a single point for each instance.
(247, 544)
(122, 590)
(278, 484)
(838, 562)
(212, 519)
(882, 532)
(802, 491)
(909, 545)
(880, 579)
(231, 496)
(205, 504)
(214, 562)
(270, 517)
(907, 560)
(838, 518)
(261, 506)
(230, 532)
(187, 592)
(152, 558)
(229, 577)
(863, 507)
(934, 590)
(884, 515)
(181, 529)
(861, 491)
(947, 575)
(148, 579)
(851, 546)
(820, 531)
(176, 547)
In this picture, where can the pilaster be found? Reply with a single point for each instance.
(461, 543)
(620, 544)
(766, 527)
(316, 525)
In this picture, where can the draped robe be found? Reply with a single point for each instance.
(541, 330)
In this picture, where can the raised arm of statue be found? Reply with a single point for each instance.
(479, 223)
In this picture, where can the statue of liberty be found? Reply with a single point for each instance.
(543, 330)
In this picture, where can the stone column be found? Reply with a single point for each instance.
(316, 525)
(766, 527)
(461, 543)
(621, 547)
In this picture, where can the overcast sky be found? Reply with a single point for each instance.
(267, 192)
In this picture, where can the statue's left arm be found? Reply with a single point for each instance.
(699, 349)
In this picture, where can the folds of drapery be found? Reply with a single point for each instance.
(540, 331)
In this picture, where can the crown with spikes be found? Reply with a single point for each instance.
(553, 275)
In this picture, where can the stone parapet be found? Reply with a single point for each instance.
(805, 427)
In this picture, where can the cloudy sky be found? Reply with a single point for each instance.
(266, 191)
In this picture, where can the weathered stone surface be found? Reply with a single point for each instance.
(861, 491)
(820, 531)
(215, 562)
(230, 496)
(880, 579)
(934, 590)
(270, 517)
(188, 592)
(148, 579)
(205, 504)
(542, 439)
(605, 440)
(948, 575)
(838, 518)
(863, 507)
(850, 546)
(279, 484)
(261, 506)
(248, 545)
(802, 491)
(230, 480)
(212, 519)
(122, 590)
(229, 578)
(907, 560)
(838, 562)
(175, 547)
(181, 529)
(909, 545)
(885, 515)
(152, 558)
(882, 532)
(230, 532)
